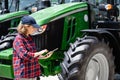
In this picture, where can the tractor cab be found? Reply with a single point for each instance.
(104, 13)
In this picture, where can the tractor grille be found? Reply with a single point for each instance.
(40, 41)
(52, 37)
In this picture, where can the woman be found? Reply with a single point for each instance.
(25, 57)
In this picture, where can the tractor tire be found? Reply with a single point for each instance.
(5, 79)
(88, 59)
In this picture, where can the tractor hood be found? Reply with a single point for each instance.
(56, 12)
(8, 16)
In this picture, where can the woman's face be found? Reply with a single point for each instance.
(30, 29)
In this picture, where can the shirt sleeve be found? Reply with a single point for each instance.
(21, 51)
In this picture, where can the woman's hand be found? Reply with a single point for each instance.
(49, 54)
(40, 53)
(43, 51)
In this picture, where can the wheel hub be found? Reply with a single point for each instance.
(98, 68)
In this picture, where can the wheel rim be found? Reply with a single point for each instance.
(98, 68)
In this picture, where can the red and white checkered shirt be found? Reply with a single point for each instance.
(24, 63)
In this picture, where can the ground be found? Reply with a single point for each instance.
(117, 77)
(49, 78)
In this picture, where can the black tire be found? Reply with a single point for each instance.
(5, 79)
(88, 59)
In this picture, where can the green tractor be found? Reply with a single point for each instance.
(84, 33)
(96, 56)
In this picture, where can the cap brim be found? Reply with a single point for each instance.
(35, 25)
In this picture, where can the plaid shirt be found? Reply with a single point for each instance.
(24, 63)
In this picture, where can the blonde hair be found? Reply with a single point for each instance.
(22, 29)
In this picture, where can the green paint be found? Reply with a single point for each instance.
(71, 31)
(47, 15)
(6, 71)
(6, 54)
(9, 16)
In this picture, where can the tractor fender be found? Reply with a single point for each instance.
(103, 33)
(112, 41)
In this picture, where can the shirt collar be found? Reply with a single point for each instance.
(27, 37)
